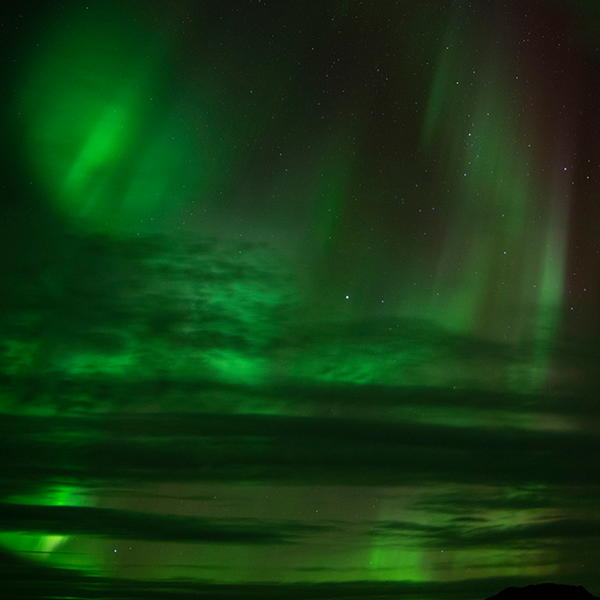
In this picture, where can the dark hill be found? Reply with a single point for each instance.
(544, 591)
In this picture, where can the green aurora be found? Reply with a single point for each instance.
(299, 301)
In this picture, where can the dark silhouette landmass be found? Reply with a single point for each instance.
(543, 591)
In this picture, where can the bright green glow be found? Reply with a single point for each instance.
(394, 563)
(40, 546)
(213, 315)
(234, 367)
(400, 556)
(103, 147)
(109, 153)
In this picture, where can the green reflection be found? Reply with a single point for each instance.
(40, 546)
(393, 563)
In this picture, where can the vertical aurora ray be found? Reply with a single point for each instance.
(413, 544)
(399, 556)
(331, 191)
(503, 260)
(548, 302)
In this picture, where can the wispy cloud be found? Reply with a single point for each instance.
(122, 524)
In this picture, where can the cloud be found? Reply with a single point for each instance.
(123, 524)
(458, 534)
(250, 447)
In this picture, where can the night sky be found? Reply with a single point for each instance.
(299, 299)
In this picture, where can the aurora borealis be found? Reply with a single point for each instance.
(299, 299)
